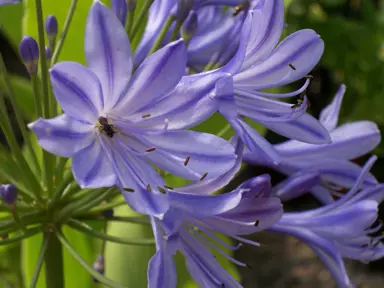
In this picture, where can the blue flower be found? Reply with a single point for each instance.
(158, 14)
(114, 124)
(259, 64)
(189, 227)
(341, 229)
(330, 162)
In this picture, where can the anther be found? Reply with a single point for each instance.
(203, 177)
(150, 149)
(248, 266)
(292, 67)
(161, 190)
(145, 115)
(187, 160)
(168, 187)
(129, 189)
(309, 76)
(149, 188)
(257, 222)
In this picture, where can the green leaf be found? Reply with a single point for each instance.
(10, 23)
(75, 275)
(73, 48)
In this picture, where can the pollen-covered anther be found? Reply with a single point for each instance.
(168, 187)
(150, 149)
(162, 190)
(203, 176)
(129, 190)
(187, 160)
(149, 188)
(147, 115)
(292, 67)
(257, 222)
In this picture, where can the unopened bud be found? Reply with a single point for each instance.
(29, 53)
(48, 53)
(131, 4)
(98, 266)
(9, 193)
(108, 213)
(183, 9)
(119, 7)
(189, 26)
(51, 28)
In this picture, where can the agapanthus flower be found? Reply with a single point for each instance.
(259, 64)
(113, 125)
(189, 227)
(7, 2)
(341, 229)
(158, 14)
(331, 162)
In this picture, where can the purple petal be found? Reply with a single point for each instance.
(265, 32)
(236, 62)
(63, 135)
(302, 49)
(208, 186)
(190, 103)
(349, 141)
(92, 168)
(108, 52)
(259, 186)
(204, 205)
(324, 248)
(78, 91)
(330, 114)
(323, 195)
(375, 193)
(161, 270)
(207, 153)
(157, 76)
(304, 128)
(296, 185)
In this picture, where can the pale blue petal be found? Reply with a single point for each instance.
(162, 270)
(63, 135)
(330, 114)
(302, 49)
(92, 168)
(78, 91)
(157, 76)
(108, 52)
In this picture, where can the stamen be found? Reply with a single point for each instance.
(203, 177)
(187, 160)
(150, 149)
(309, 76)
(168, 187)
(257, 223)
(146, 115)
(161, 190)
(129, 189)
(292, 67)
(149, 188)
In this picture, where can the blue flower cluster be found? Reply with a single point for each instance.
(127, 116)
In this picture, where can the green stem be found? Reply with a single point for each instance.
(224, 131)
(82, 227)
(54, 269)
(19, 118)
(85, 265)
(59, 191)
(59, 171)
(175, 31)
(140, 18)
(17, 219)
(132, 220)
(101, 208)
(64, 33)
(29, 233)
(36, 92)
(162, 34)
(40, 261)
(129, 23)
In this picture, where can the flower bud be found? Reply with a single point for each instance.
(183, 9)
(7, 2)
(108, 213)
(98, 266)
(48, 53)
(29, 53)
(119, 7)
(189, 26)
(51, 28)
(9, 193)
(131, 4)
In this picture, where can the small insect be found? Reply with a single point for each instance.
(241, 7)
(105, 127)
(299, 100)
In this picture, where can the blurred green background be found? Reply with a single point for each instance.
(353, 31)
